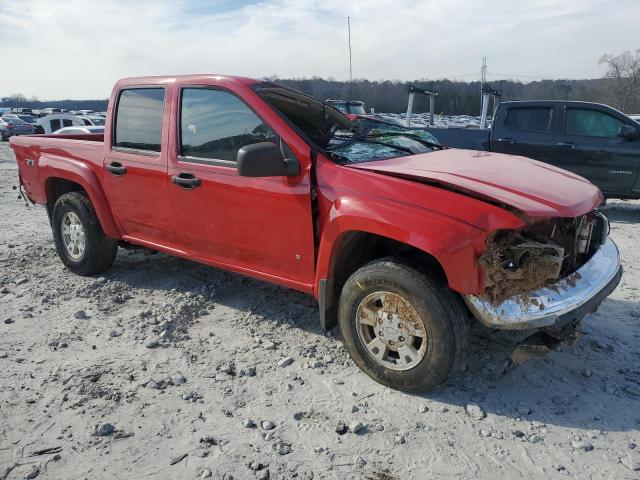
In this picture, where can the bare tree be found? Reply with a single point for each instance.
(17, 97)
(623, 73)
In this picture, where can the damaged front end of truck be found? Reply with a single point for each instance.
(547, 277)
(516, 263)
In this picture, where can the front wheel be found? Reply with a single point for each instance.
(80, 242)
(401, 326)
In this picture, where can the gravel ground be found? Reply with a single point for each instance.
(163, 368)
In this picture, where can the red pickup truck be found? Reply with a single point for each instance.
(400, 240)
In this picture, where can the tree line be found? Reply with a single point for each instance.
(454, 98)
(619, 88)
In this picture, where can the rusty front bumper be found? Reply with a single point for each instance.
(569, 299)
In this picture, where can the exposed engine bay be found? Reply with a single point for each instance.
(516, 263)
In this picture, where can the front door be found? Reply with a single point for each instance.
(591, 147)
(261, 226)
(135, 169)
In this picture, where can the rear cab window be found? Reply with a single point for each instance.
(529, 119)
(138, 120)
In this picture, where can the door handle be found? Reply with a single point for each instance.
(510, 141)
(566, 145)
(116, 168)
(186, 180)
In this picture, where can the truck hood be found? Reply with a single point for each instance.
(535, 188)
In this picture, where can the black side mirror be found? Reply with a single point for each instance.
(265, 159)
(628, 132)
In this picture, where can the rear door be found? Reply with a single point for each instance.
(590, 146)
(135, 167)
(262, 226)
(525, 129)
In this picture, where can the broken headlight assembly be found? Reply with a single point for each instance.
(516, 263)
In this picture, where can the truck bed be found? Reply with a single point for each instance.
(465, 138)
(34, 152)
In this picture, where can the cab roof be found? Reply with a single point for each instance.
(169, 79)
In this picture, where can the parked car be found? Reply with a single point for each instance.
(400, 240)
(10, 126)
(21, 110)
(78, 130)
(85, 112)
(92, 120)
(56, 121)
(30, 119)
(595, 141)
(354, 107)
(50, 110)
(635, 117)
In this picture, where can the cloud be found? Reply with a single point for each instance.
(79, 48)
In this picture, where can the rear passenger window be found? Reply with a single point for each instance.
(531, 119)
(215, 124)
(591, 123)
(139, 119)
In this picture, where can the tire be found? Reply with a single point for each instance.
(98, 252)
(443, 317)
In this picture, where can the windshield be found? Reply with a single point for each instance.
(27, 118)
(97, 120)
(374, 140)
(312, 117)
(343, 141)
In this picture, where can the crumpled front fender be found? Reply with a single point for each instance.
(454, 244)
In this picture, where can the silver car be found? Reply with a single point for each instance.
(75, 130)
(10, 126)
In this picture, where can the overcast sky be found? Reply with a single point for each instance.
(79, 48)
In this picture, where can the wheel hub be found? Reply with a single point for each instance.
(73, 237)
(391, 330)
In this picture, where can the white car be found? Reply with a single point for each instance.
(93, 120)
(56, 121)
(635, 117)
(79, 130)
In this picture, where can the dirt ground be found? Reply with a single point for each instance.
(163, 368)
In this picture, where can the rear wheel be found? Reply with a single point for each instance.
(80, 242)
(402, 327)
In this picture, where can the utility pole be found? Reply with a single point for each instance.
(350, 70)
(483, 79)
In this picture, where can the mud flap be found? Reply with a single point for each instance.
(540, 344)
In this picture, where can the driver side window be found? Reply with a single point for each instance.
(215, 124)
(591, 123)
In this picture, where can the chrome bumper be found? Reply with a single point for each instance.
(570, 298)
